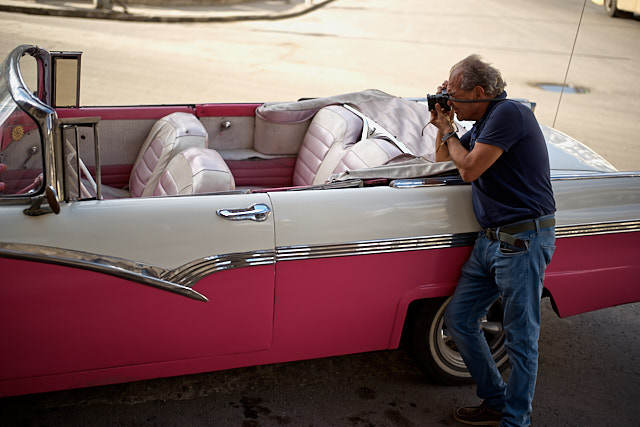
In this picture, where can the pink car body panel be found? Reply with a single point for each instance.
(93, 322)
(101, 329)
(90, 327)
(590, 273)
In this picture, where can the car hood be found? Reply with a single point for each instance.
(567, 156)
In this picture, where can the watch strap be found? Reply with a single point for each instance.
(446, 137)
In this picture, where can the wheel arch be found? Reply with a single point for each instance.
(408, 315)
(546, 293)
(409, 304)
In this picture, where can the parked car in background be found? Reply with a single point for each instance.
(619, 7)
(151, 241)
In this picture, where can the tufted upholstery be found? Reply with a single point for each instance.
(332, 131)
(369, 153)
(168, 136)
(332, 145)
(195, 170)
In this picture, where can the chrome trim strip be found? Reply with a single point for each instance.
(595, 175)
(456, 180)
(181, 279)
(137, 272)
(190, 273)
(290, 253)
(613, 227)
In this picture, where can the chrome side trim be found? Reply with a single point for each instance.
(290, 253)
(456, 180)
(580, 230)
(190, 273)
(137, 272)
(595, 175)
(181, 279)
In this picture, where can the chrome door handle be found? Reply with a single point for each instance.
(258, 212)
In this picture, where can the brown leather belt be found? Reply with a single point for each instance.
(505, 234)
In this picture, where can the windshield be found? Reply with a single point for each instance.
(20, 142)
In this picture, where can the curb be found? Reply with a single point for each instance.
(113, 15)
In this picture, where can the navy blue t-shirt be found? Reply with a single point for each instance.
(517, 186)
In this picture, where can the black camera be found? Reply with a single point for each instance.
(440, 98)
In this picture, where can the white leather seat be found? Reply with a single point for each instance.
(169, 136)
(331, 132)
(369, 153)
(195, 170)
(332, 145)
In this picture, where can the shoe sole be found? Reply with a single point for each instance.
(476, 423)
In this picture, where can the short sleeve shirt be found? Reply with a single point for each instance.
(518, 185)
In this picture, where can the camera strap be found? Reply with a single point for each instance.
(370, 128)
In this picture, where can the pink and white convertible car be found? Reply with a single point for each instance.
(153, 241)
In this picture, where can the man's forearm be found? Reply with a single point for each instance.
(442, 150)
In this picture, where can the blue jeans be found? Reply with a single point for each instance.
(496, 269)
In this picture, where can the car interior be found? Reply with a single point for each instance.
(208, 149)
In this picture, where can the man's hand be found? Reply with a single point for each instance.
(442, 120)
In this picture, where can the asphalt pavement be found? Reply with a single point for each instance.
(588, 377)
(253, 10)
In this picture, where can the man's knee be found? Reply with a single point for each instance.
(451, 320)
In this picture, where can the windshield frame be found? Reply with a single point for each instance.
(43, 115)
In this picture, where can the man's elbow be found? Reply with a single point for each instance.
(467, 175)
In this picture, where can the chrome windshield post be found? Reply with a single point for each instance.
(44, 116)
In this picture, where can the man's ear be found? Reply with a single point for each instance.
(479, 92)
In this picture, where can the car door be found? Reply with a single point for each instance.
(350, 261)
(632, 6)
(128, 282)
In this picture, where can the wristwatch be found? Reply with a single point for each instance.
(446, 137)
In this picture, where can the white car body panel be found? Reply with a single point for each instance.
(145, 230)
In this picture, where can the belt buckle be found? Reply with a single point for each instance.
(490, 233)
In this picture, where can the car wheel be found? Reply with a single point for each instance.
(611, 7)
(436, 353)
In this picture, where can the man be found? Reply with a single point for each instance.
(504, 156)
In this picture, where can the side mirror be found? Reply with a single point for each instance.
(52, 199)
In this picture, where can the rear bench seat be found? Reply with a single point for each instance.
(327, 138)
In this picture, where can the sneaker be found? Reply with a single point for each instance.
(478, 415)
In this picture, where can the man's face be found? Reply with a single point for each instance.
(464, 110)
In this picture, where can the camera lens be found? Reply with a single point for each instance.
(440, 98)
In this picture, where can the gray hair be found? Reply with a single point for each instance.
(476, 72)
